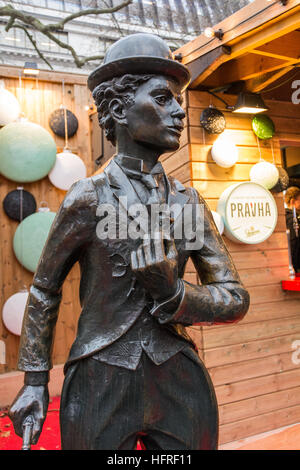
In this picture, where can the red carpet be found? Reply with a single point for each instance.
(49, 438)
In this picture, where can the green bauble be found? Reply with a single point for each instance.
(30, 238)
(27, 152)
(263, 126)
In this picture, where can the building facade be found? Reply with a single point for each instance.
(176, 21)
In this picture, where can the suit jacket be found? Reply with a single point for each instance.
(111, 300)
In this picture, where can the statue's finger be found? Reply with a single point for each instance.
(141, 257)
(170, 248)
(134, 260)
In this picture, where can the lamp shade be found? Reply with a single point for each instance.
(283, 181)
(264, 173)
(263, 126)
(249, 103)
(57, 122)
(27, 152)
(9, 107)
(19, 204)
(213, 120)
(224, 152)
(13, 312)
(30, 238)
(218, 221)
(68, 169)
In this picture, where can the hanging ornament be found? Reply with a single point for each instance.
(27, 151)
(283, 181)
(13, 312)
(57, 122)
(9, 107)
(30, 237)
(213, 120)
(68, 169)
(218, 221)
(224, 152)
(263, 126)
(19, 204)
(264, 173)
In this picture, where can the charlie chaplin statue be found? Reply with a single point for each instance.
(133, 372)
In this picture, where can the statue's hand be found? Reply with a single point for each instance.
(32, 400)
(155, 264)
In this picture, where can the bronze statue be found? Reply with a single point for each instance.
(133, 372)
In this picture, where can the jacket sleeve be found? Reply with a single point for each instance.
(221, 297)
(72, 227)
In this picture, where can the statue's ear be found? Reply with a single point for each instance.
(117, 111)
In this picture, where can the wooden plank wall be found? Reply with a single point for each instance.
(257, 384)
(38, 100)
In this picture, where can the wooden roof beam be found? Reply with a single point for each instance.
(247, 67)
(290, 21)
(258, 84)
(273, 55)
(242, 23)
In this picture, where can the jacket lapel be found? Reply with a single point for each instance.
(127, 196)
(122, 189)
(177, 199)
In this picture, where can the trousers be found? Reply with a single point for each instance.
(171, 406)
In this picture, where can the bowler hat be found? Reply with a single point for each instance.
(139, 54)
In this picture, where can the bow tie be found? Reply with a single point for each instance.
(146, 178)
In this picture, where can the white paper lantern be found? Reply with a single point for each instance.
(264, 173)
(68, 169)
(13, 312)
(224, 152)
(218, 221)
(9, 107)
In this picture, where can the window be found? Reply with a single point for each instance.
(151, 13)
(46, 45)
(16, 38)
(55, 4)
(72, 5)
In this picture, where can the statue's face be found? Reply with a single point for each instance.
(155, 118)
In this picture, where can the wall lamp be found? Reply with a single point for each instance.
(30, 69)
(211, 33)
(247, 103)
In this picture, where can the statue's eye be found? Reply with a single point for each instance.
(161, 99)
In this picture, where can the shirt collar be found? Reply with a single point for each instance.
(136, 165)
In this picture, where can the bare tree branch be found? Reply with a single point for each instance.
(24, 21)
(33, 42)
(89, 11)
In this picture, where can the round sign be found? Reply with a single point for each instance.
(13, 312)
(263, 126)
(27, 151)
(249, 212)
(68, 169)
(30, 238)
